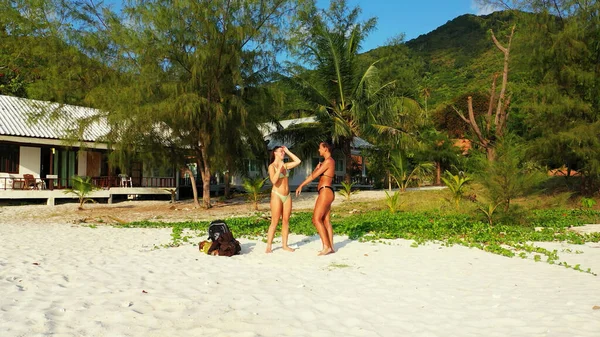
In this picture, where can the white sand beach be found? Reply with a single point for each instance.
(72, 280)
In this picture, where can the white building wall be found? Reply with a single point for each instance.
(30, 161)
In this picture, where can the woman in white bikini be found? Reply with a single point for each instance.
(281, 201)
(325, 171)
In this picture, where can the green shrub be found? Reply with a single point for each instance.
(347, 190)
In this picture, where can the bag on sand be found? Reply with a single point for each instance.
(216, 229)
(223, 242)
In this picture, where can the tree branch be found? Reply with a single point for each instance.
(488, 120)
(460, 115)
(500, 107)
(473, 123)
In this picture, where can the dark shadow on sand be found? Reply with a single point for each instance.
(247, 247)
(342, 244)
(306, 240)
(336, 245)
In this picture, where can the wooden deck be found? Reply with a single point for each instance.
(52, 195)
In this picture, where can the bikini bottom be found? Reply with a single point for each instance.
(283, 198)
(329, 187)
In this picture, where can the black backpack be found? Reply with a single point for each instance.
(222, 239)
(216, 229)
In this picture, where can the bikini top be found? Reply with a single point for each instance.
(324, 175)
(287, 174)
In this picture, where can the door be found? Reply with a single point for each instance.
(65, 166)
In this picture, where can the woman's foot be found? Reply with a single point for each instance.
(326, 251)
(288, 248)
(269, 250)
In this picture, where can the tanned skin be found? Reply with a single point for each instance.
(280, 210)
(322, 211)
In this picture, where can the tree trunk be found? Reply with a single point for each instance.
(194, 187)
(438, 173)
(205, 179)
(490, 153)
(204, 169)
(347, 150)
(227, 185)
(206, 188)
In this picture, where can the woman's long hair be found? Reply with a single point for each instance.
(272, 157)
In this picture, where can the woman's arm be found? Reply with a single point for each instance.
(320, 169)
(274, 174)
(295, 160)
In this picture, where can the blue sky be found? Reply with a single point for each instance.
(394, 17)
(411, 17)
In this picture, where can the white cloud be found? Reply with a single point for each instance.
(483, 9)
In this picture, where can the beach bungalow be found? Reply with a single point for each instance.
(39, 156)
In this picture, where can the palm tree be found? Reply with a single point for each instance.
(403, 173)
(457, 184)
(82, 188)
(254, 188)
(349, 101)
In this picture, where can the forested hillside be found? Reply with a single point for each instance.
(456, 58)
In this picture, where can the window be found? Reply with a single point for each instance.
(9, 158)
(253, 166)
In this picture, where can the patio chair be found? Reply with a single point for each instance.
(125, 180)
(29, 182)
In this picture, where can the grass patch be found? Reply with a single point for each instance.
(334, 265)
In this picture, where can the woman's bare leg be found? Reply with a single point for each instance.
(285, 224)
(329, 228)
(276, 210)
(321, 206)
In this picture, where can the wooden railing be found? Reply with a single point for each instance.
(113, 181)
(366, 181)
(17, 183)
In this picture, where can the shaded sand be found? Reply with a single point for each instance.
(67, 280)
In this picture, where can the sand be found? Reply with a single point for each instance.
(66, 279)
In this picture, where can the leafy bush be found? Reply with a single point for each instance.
(393, 202)
(510, 175)
(587, 202)
(457, 184)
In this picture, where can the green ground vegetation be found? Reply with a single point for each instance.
(430, 217)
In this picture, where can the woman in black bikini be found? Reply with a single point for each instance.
(322, 212)
(281, 201)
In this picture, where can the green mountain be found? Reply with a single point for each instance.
(457, 58)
